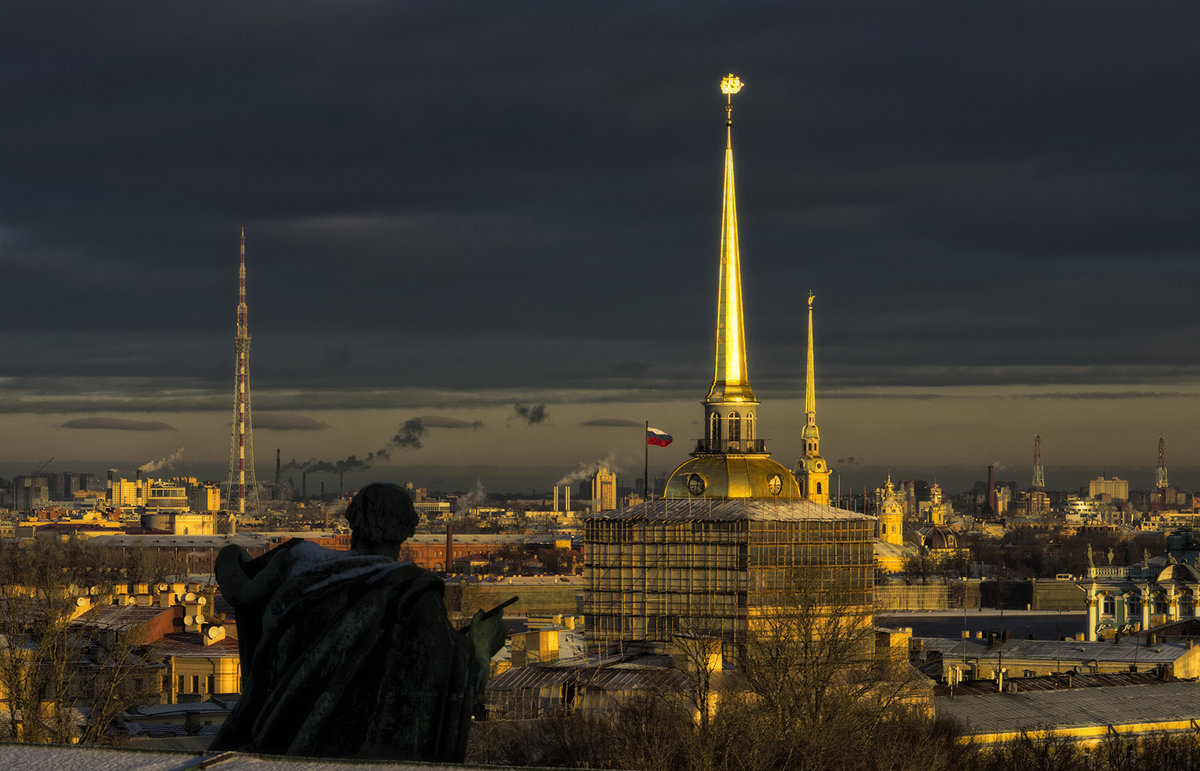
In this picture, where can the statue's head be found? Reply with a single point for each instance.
(381, 514)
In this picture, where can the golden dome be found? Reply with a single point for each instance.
(732, 476)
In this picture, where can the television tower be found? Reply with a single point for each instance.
(1160, 476)
(1039, 472)
(241, 450)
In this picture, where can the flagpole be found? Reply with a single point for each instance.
(646, 470)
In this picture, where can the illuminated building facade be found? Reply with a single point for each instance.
(732, 538)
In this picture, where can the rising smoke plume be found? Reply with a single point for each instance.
(850, 462)
(532, 414)
(162, 463)
(409, 435)
(471, 500)
(586, 470)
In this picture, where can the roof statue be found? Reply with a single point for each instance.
(731, 461)
(350, 654)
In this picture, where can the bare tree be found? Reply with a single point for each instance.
(62, 679)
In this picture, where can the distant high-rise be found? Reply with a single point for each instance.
(1039, 501)
(1039, 473)
(1160, 475)
(241, 451)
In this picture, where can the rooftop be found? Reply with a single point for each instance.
(1076, 708)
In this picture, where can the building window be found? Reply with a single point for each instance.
(1108, 607)
(735, 427)
(714, 431)
(818, 488)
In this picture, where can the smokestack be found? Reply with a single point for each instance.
(303, 485)
(449, 547)
(556, 499)
(278, 468)
(322, 489)
(567, 497)
(110, 493)
(992, 490)
(341, 478)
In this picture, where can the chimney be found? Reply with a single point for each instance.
(992, 490)
(303, 485)
(449, 547)
(322, 489)
(110, 493)
(278, 468)
(567, 498)
(556, 499)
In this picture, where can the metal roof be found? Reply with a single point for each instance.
(1052, 650)
(1114, 705)
(732, 510)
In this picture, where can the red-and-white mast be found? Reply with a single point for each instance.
(241, 456)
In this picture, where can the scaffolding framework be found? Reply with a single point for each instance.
(678, 566)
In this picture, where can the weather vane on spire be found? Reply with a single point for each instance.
(730, 85)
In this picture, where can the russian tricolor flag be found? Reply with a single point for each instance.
(658, 438)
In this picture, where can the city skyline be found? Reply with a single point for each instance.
(517, 244)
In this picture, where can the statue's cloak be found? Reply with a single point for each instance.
(345, 655)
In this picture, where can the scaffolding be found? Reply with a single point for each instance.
(706, 567)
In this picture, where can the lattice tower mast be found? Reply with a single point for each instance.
(1039, 472)
(241, 451)
(1160, 475)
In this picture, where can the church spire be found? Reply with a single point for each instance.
(731, 381)
(810, 388)
(812, 436)
(811, 470)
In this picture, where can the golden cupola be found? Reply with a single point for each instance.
(730, 461)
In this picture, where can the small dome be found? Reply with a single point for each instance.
(941, 538)
(732, 476)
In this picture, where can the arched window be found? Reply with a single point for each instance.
(714, 431)
(750, 427)
(818, 488)
(735, 427)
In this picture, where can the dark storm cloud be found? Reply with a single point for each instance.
(116, 424)
(285, 421)
(436, 421)
(630, 367)
(962, 184)
(612, 423)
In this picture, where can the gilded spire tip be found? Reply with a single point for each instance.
(731, 84)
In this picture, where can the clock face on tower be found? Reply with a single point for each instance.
(695, 484)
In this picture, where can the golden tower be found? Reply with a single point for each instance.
(891, 516)
(811, 469)
(730, 461)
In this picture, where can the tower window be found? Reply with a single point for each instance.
(735, 427)
(714, 431)
(818, 488)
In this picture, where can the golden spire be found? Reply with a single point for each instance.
(731, 381)
(810, 388)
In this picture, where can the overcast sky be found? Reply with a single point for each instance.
(451, 212)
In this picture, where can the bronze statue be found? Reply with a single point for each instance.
(350, 654)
